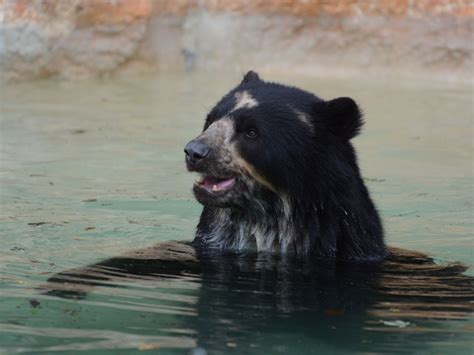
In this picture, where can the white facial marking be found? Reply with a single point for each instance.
(303, 117)
(244, 100)
(220, 131)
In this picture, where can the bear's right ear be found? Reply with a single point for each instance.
(251, 76)
(341, 116)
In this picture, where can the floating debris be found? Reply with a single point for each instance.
(396, 323)
(78, 131)
(148, 346)
(373, 179)
(407, 214)
(35, 303)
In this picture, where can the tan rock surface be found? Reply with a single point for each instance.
(83, 38)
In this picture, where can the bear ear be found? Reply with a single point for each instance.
(342, 116)
(251, 76)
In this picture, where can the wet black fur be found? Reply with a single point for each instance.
(314, 165)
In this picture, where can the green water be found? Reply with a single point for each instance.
(90, 170)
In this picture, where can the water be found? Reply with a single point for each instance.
(91, 170)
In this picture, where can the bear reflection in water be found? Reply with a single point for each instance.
(254, 293)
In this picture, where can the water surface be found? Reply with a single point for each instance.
(90, 170)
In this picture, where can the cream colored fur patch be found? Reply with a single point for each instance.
(244, 100)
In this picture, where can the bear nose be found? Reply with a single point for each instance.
(196, 151)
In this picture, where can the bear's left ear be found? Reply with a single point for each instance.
(341, 116)
(250, 77)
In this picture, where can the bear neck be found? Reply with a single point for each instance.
(335, 224)
(262, 227)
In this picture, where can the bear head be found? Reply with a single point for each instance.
(265, 138)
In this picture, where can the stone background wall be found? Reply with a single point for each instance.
(83, 38)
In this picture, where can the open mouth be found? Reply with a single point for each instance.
(215, 185)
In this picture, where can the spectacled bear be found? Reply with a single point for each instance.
(279, 174)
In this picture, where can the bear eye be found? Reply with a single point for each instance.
(251, 133)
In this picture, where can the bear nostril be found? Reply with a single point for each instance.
(197, 156)
(196, 151)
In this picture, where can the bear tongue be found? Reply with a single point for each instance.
(213, 183)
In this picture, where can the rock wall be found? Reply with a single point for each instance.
(83, 38)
